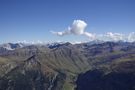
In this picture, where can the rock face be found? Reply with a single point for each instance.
(100, 66)
(28, 75)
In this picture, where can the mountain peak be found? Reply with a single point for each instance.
(12, 46)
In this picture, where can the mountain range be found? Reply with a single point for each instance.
(96, 65)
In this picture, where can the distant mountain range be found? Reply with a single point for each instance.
(95, 65)
(13, 46)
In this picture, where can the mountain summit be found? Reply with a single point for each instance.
(64, 66)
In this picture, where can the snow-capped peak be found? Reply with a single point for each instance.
(12, 46)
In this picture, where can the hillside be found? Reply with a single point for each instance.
(96, 66)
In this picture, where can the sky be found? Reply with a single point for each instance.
(32, 20)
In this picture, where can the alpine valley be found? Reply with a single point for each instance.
(64, 66)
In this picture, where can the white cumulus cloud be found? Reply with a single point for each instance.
(77, 28)
(131, 37)
(114, 36)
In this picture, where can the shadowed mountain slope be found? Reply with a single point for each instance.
(63, 66)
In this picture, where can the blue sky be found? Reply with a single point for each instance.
(32, 20)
